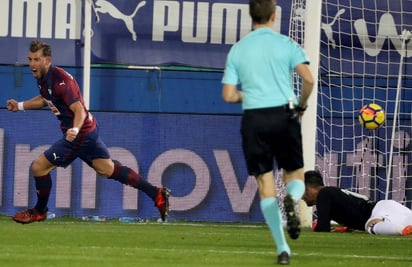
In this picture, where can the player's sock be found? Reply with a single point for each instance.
(273, 217)
(43, 188)
(127, 176)
(385, 228)
(296, 188)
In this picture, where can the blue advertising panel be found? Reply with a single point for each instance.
(134, 32)
(362, 163)
(357, 34)
(191, 33)
(61, 25)
(198, 157)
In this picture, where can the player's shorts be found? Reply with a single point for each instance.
(90, 147)
(270, 134)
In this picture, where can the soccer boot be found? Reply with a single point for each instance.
(29, 216)
(162, 202)
(283, 258)
(407, 230)
(293, 222)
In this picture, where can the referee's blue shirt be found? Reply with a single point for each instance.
(263, 63)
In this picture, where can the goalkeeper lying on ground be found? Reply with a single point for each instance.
(354, 211)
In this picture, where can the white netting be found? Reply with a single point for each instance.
(363, 61)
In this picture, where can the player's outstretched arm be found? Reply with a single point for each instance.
(36, 102)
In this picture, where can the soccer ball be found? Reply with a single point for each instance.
(371, 116)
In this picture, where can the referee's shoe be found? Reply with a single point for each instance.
(283, 258)
(293, 222)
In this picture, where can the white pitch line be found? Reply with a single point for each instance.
(194, 224)
(344, 256)
(260, 252)
(129, 250)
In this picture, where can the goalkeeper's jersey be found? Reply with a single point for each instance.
(342, 206)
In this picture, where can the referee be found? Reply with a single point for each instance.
(262, 65)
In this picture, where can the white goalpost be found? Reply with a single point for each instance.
(304, 28)
(87, 51)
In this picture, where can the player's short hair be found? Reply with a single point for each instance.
(37, 45)
(261, 10)
(313, 178)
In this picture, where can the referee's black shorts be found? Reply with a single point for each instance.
(270, 134)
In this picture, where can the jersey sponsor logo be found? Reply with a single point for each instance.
(52, 107)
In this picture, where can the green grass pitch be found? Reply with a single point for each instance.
(72, 242)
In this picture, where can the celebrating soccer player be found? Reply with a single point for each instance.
(60, 91)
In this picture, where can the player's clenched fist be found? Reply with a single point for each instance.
(12, 105)
(71, 134)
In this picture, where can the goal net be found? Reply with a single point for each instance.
(366, 57)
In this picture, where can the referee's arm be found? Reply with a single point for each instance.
(230, 94)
